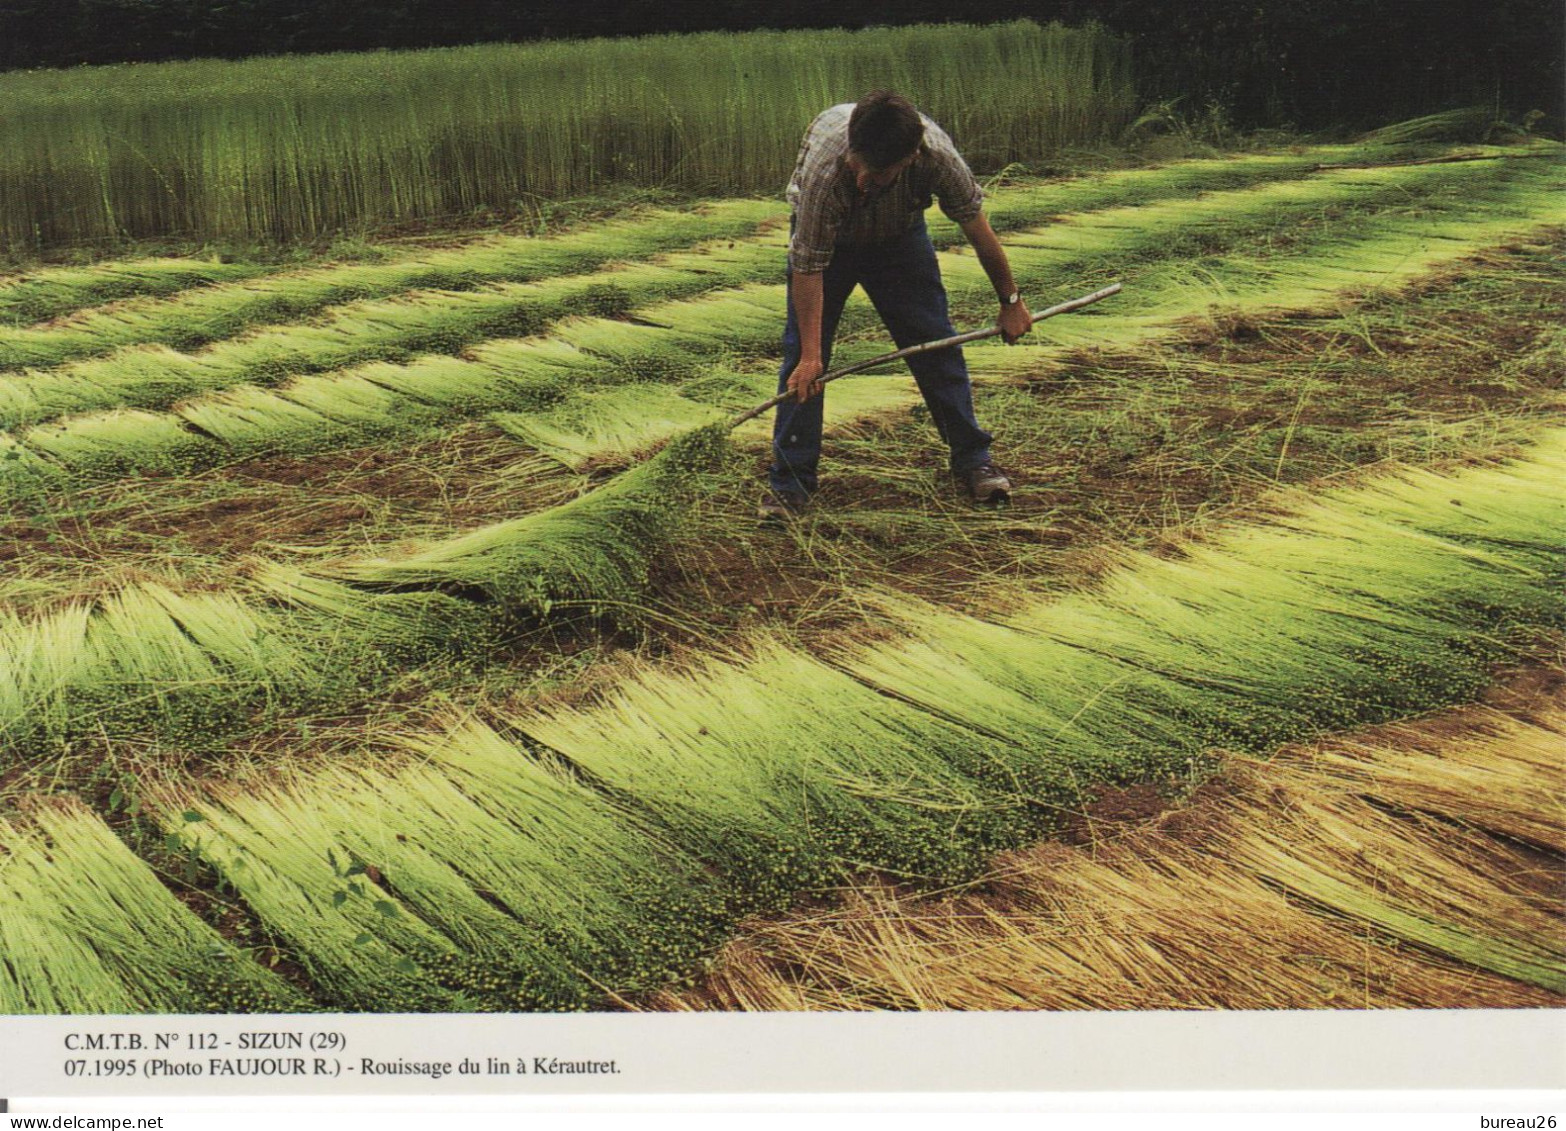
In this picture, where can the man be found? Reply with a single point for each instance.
(866, 174)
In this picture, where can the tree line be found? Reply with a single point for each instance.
(1303, 63)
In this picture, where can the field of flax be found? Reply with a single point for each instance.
(295, 148)
(398, 636)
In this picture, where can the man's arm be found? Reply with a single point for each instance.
(805, 293)
(1015, 319)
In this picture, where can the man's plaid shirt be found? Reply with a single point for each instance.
(828, 209)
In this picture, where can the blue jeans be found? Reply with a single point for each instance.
(903, 282)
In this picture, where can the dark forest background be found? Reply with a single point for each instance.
(1304, 63)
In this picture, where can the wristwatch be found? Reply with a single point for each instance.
(1012, 299)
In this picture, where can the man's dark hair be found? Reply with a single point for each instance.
(884, 128)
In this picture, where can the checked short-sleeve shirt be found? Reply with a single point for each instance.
(828, 207)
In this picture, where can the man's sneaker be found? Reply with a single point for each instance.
(779, 507)
(986, 484)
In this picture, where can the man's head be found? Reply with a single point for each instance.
(885, 134)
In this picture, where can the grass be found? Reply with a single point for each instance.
(605, 425)
(188, 320)
(399, 328)
(1353, 234)
(265, 654)
(446, 321)
(1385, 610)
(287, 866)
(49, 292)
(477, 560)
(873, 783)
(1195, 436)
(480, 878)
(1429, 907)
(89, 928)
(1184, 909)
(406, 626)
(667, 339)
(1123, 444)
(781, 774)
(698, 746)
(614, 896)
(145, 655)
(594, 551)
(1339, 614)
(214, 313)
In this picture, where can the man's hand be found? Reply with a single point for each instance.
(1015, 320)
(805, 381)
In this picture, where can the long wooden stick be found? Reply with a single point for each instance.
(926, 347)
